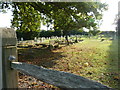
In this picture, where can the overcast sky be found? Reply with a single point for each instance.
(107, 24)
(109, 15)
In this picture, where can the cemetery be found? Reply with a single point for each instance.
(70, 52)
(28, 55)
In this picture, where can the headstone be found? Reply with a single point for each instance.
(22, 39)
(56, 37)
(35, 39)
(42, 39)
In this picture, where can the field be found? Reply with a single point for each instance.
(91, 58)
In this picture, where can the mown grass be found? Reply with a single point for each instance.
(92, 59)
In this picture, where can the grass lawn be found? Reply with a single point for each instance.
(91, 58)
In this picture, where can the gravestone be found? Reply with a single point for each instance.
(35, 39)
(8, 76)
(21, 38)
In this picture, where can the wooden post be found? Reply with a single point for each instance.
(1, 60)
(8, 76)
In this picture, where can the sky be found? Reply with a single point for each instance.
(5, 19)
(109, 15)
(107, 24)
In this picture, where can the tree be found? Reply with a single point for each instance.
(118, 27)
(77, 15)
(26, 19)
(117, 23)
(94, 32)
(48, 33)
(65, 16)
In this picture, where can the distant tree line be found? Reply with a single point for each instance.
(59, 33)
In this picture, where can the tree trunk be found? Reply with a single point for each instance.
(66, 37)
(76, 40)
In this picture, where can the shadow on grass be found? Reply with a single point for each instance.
(113, 67)
(39, 56)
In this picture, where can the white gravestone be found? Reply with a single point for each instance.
(21, 39)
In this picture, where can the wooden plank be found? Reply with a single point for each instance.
(57, 78)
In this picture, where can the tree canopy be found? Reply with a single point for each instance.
(64, 16)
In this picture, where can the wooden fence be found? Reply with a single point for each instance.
(9, 67)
